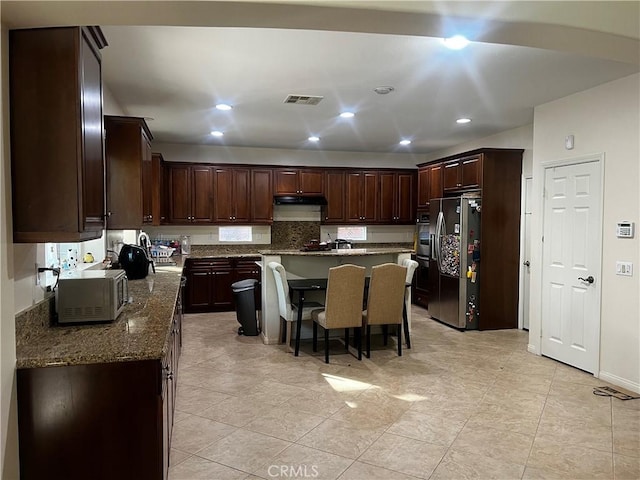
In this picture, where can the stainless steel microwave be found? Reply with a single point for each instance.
(91, 296)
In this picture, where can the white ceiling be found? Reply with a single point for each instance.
(529, 53)
(176, 75)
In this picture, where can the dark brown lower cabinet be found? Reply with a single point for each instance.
(99, 421)
(209, 281)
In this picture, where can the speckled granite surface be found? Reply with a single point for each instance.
(140, 332)
(293, 234)
(345, 252)
(211, 251)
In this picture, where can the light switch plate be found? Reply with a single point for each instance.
(624, 268)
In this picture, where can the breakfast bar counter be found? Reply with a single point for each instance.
(314, 264)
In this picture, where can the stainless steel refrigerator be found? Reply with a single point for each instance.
(454, 271)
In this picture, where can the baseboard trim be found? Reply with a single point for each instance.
(619, 381)
(532, 349)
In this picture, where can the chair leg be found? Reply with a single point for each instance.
(385, 333)
(326, 345)
(346, 339)
(315, 337)
(288, 328)
(358, 334)
(400, 339)
(368, 341)
(405, 320)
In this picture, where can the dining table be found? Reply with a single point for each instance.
(301, 286)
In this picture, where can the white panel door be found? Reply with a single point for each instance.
(571, 264)
(526, 256)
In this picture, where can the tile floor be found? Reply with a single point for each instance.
(457, 405)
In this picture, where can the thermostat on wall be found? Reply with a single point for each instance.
(624, 230)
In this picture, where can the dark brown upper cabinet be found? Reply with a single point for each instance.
(261, 196)
(397, 198)
(159, 188)
(362, 196)
(335, 192)
(303, 181)
(231, 187)
(129, 172)
(57, 160)
(463, 174)
(429, 184)
(190, 193)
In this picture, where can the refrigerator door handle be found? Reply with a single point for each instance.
(439, 240)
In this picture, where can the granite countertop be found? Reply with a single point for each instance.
(141, 331)
(343, 252)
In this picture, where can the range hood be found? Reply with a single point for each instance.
(299, 200)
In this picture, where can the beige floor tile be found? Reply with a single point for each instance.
(572, 460)
(439, 430)
(370, 413)
(517, 399)
(176, 457)
(537, 473)
(195, 399)
(319, 402)
(572, 431)
(539, 384)
(506, 417)
(463, 465)
(230, 383)
(284, 423)
(273, 393)
(573, 375)
(244, 450)
(576, 409)
(479, 393)
(405, 455)
(237, 411)
(626, 468)
(341, 438)
(500, 444)
(626, 440)
(196, 468)
(365, 471)
(195, 433)
(179, 416)
(298, 461)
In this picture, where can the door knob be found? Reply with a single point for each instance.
(589, 279)
(527, 263)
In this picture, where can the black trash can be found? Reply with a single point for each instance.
(245, 296)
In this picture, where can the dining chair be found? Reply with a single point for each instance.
(386, 301)
(343, 306)
(411, 266)
(288, 311)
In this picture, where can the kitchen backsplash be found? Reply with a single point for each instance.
(293, 234)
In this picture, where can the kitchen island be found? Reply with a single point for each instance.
(96, 401)
(315, 264)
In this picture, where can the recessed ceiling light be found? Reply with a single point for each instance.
(223, 106)
(347, 114)
(463, 120)
(457, 42)
(405, 142)
(217, 133)
(383, 90)
(313, 139)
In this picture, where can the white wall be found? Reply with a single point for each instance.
(175, 152)
(8, 402)
(604, 119)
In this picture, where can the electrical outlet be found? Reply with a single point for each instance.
(624, 268)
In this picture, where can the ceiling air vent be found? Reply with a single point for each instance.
(303, 99)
